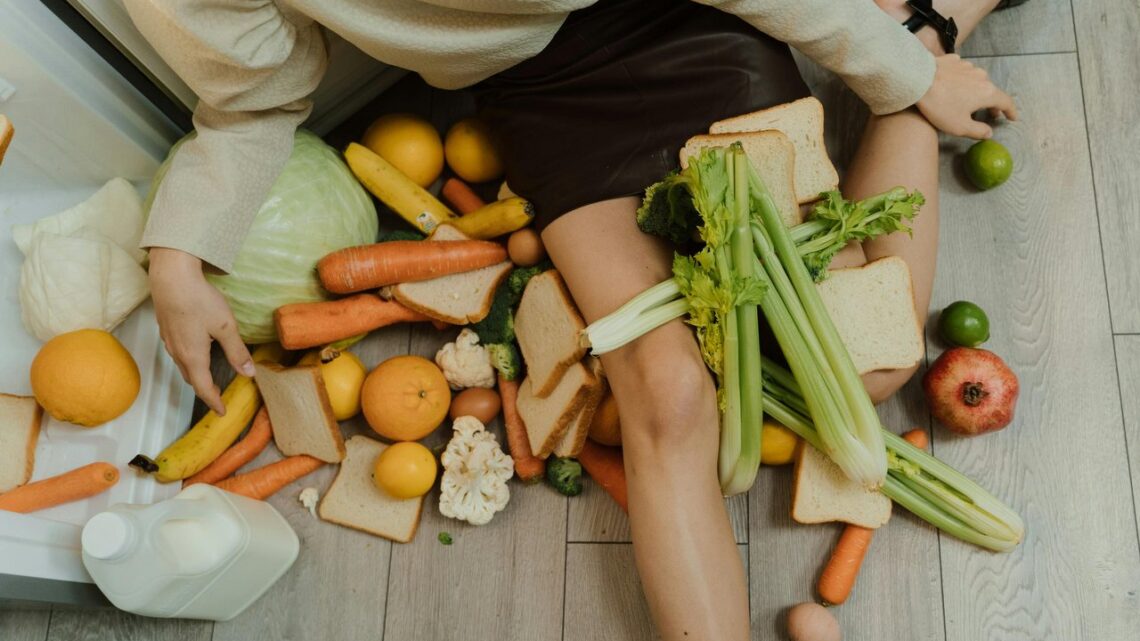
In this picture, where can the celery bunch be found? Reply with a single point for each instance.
(747, 258)
(931, 489)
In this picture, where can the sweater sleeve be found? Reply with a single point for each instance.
(253, 70)
(876, 56)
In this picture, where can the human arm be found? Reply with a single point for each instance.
(253, 70)
(879, 59)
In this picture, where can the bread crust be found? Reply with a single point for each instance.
(32, 438)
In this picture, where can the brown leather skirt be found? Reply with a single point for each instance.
(602, 111)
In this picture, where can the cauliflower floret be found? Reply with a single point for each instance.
(475, 474)
(465, 362)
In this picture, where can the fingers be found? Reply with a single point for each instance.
(1003, 102)
(233, 347)
(977, 130)
(198, 374)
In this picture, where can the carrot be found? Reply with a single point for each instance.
(304, 325)
(465, 201)
(527, 466)
(240, 453)
(440, 325)
(264, 482)
(838, 577)
(77, 484)
(605, 465)
(917, 438)
(355, 269)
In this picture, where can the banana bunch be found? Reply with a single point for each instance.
(211, 435)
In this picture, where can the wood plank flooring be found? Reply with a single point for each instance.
(1051, 257)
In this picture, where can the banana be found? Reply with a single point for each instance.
(396, 190)
(495, 219)
(211, 435)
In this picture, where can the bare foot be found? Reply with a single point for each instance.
(967, 14)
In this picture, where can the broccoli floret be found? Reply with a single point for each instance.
(499, 324)
(505, 359)
(400, 234)
(565, 475)
(520, 276)
(444, 538)
(668, 210)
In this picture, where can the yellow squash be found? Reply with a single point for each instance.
(394, 189)
(211, 435)
(495, 219)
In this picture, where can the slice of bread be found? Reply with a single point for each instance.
(802, 122)
(821, 493)
(772, 154)
(457, 299)
(547, 325)
(354, 501)
(19, 429)
(548, 418)
(873, 309)
(6, 133)
(299, 408)
(575, 437)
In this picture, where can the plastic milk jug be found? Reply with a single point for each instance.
(204, 554)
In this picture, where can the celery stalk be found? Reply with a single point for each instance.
(863, 460)
(747, 326)
(916, 480)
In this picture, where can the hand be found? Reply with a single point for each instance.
(959, 89)
(191, 313)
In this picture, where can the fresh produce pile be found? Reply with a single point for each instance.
(306, 298)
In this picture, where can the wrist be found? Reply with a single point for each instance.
(174, 264)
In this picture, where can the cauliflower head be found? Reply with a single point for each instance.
(465, 362)
(475, 474)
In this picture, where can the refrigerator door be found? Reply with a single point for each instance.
(78, 124)
(352, 80)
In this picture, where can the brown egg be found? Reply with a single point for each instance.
(525, 248)
(483, 404)
(812, 622)
(606, 426)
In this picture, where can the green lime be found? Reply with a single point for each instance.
(964, 323)
(988, 164)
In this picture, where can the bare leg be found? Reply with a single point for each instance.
(902, 149)
(682, 541)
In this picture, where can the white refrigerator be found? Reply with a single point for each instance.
(90, 101)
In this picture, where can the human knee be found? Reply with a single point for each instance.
(674, 401)
(882, 384)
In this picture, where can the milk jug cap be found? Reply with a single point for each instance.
(107, 536)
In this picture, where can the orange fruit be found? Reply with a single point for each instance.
(606, 426)
(85, 377)
(405, 398)
(410, 143)
(470, 153)
(405, 470)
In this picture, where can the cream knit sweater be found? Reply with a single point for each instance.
(253, 64)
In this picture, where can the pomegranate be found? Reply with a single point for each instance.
(971, 391)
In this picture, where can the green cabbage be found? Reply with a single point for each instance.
(315, 207)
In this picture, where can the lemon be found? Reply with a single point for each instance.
(988, 164)
(405, 470)
(85, 377)
(777, 444)
(470, 153)
(344, 377)
(410, 143)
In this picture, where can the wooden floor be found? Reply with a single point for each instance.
(1051, 256)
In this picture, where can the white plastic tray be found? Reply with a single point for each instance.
(78, 124)
(45, 544)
